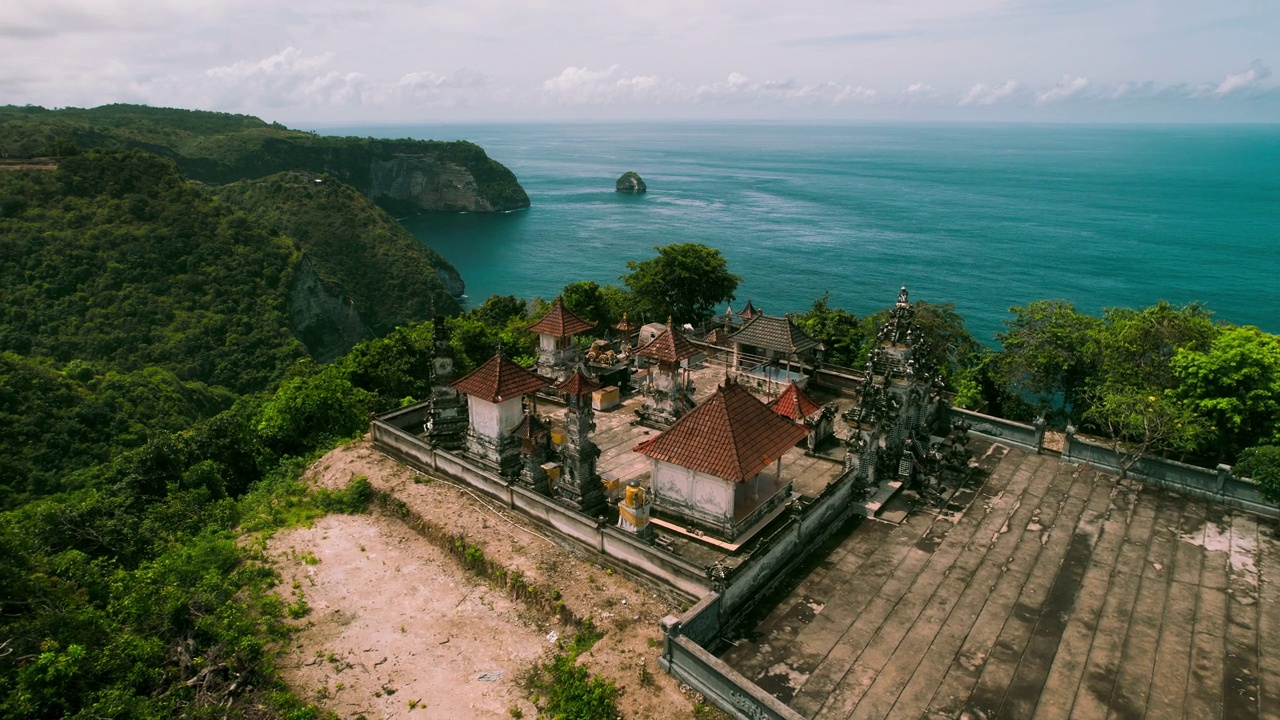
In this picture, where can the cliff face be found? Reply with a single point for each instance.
(325, 321)
(425, 183)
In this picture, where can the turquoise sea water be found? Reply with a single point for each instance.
(986, 216)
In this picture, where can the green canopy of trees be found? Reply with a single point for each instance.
(685, 281)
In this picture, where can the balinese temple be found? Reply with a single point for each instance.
(718, 469)
(579, 486)
(496, 392)
(774, 350)
(667, 391)
(556, 350)
(898, 400)
(446, 425)
(817, 420)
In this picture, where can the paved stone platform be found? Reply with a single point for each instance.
(1059, 592)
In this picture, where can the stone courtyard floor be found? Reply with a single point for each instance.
(1058, 592)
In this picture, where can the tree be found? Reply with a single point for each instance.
(685, 282)
(845, 337)
(1262, 465)
(1139, 422)
(1135, 347)
(1234, 386)
(1049, 351)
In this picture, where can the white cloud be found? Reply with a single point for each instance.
(738, 88)
(583, 86)
(984, 94)
(1256, 73)
(1068, 87)
(920, 89)
(290, 78)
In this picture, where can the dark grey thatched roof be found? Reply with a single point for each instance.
(774, 333)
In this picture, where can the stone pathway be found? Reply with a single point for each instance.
(1058, 593)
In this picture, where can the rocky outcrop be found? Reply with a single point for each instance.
(630, 183)
(424, 183)
(451, 280)
(321, 317)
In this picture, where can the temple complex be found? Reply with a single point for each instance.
(496, 392)
(719, 468)
(556, 350)
(668, 393)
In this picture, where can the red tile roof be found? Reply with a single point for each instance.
(794, 404)
(577, 384)
(625, 325)
(560, 322)
(731, 435)
(499, 379)
(530, 428)
(669, 346)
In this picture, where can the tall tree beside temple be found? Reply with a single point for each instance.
(685, 282)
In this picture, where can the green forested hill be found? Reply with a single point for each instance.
(221, 148)
(114, 258)
(352, 244)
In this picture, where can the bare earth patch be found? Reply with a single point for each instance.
(396, 611)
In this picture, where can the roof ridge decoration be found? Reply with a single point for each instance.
(560, 322)
(499, 379)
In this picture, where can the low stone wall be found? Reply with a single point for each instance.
(838, 378)
(684, 657)
(1219, 485)
(614, 544)
(997, 429)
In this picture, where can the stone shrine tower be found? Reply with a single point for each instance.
(556, 351)
(446, 425)
(667, 395)
(898, 400)
(580, 487)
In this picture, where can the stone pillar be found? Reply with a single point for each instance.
(446, 425)
(580, 487)
(1039, 424)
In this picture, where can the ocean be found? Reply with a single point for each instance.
(985, 216)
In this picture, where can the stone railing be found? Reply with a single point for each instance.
(1007, 432)
(1219, 485)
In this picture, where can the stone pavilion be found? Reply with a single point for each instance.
(718, 469)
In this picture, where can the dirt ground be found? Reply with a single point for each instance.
(397, 621)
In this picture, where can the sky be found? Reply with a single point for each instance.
(374, 61)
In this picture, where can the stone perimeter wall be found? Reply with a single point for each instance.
(1217, 485)
(617, 545)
